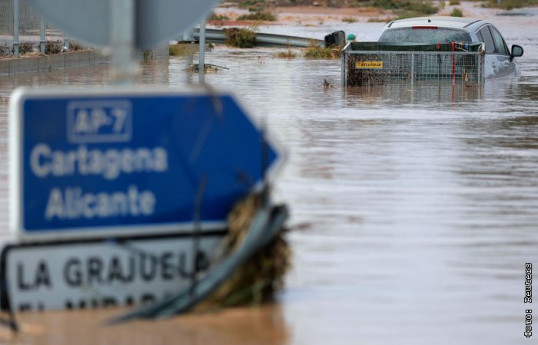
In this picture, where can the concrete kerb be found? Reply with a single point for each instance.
(46, 63)
(50, 62)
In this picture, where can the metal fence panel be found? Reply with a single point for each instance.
(22, 30)
(370, 68)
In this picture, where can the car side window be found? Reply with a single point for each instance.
(485, 35)
(500, 45)
(480, 38)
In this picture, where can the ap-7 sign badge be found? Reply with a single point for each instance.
(107, 162)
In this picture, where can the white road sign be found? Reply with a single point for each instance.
(97, 274)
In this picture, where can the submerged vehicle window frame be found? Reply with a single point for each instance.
(440, 35)
(500, 45)
(485, 36)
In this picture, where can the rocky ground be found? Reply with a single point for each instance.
(311, 13)
(303, 12)
(316, 3)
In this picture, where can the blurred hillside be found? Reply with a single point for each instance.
(321, 3)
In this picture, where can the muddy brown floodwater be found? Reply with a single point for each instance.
(414, 211)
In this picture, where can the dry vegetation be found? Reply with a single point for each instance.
(260, 277)
(182, 49)
(240, 37)
(288, 54)
(317, 52)
(259, 16)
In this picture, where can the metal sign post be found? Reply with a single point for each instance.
(16, 28)
(42, 36)
(201, 52)
(122, 36)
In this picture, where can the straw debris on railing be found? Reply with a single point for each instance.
(240, 37)
(182, 49)
(314, 51)
(260, 277)
(251, 268)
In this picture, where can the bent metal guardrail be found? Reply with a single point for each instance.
(377, 63)
(262, 39)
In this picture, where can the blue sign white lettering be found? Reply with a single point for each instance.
(99, 122)
(108, 162)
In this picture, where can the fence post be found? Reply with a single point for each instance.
(412, 69)
(343, 67)
(201, 52)
(16, 28)
(42, 38)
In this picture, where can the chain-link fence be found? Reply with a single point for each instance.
(23, 32)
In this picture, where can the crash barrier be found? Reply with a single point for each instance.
(377, 63)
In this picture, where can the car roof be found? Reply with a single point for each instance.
(440, 21)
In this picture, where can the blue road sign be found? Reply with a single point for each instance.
(93, 163)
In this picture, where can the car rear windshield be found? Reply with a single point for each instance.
(425, 35)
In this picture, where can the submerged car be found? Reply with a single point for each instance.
(499, 60)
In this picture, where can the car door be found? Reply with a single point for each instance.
(497, 62)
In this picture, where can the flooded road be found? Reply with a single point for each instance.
(414, 211)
